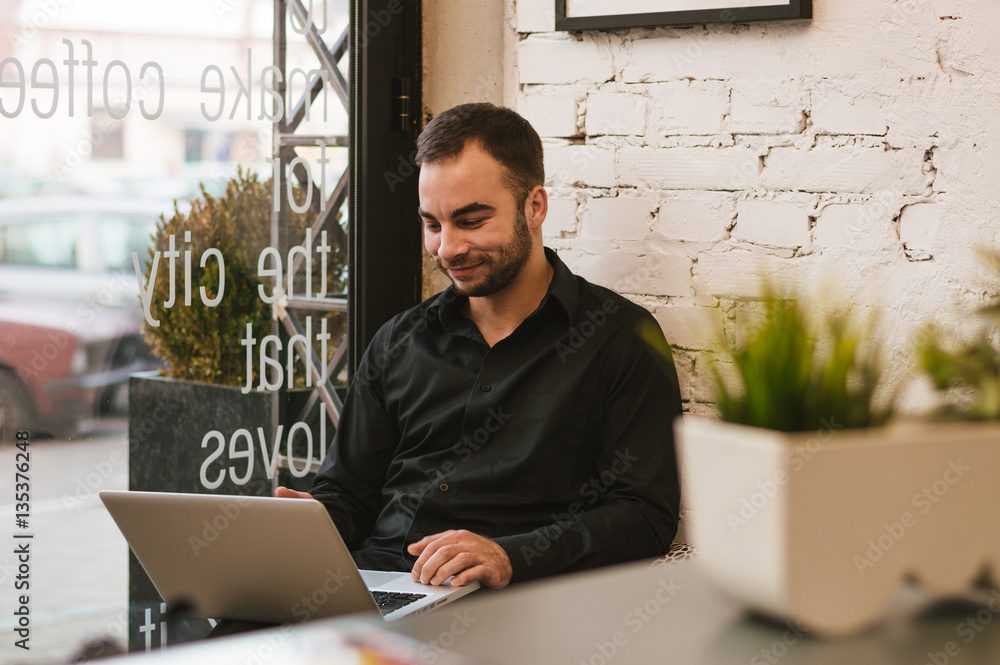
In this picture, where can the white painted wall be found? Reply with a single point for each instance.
(858, 152)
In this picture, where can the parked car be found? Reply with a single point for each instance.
(70, 320)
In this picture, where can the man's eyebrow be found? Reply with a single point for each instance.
(464, 210)
(472, 207)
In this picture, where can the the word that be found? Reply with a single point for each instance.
(271, 346)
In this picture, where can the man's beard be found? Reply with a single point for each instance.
(510, 259)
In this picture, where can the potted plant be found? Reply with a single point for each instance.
(196, 425)
(804, 504)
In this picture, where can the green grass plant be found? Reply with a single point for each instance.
(794, 371)
(967, 372)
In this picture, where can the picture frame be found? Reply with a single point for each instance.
(619, 14)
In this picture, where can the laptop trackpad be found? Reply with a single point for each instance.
(376, 578)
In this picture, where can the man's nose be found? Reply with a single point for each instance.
(453, 243)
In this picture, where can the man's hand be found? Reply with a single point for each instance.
(285, 493)
(463, 554)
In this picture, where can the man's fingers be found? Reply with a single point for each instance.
(445, 562)
(285, 493)
(416, 548)
(479, 572)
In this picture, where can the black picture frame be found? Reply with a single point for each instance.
(793, 9)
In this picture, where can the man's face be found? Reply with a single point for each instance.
(474, 230)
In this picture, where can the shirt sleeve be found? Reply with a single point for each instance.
(350, 478)
(629, 509)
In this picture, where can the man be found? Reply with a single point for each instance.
(513, 426)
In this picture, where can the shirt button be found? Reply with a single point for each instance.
(486, 387)
(443, 487)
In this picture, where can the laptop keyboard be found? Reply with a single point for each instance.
(390, 601)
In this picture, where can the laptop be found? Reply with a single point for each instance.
(265, 559)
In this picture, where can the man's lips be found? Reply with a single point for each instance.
(462, 271)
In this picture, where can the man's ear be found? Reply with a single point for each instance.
(536, 207)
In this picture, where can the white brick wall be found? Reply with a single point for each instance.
(835, 112)
(860, 155)
(615, 113)
(584, 165)
(772, 223)
(550, 115)
(689, 168)
(689, 107)
(696, 216)
(560, 222)
(664, 271)
(562, 59)
(845, 169)
(617, 218)
(918, 226)
(768, 108)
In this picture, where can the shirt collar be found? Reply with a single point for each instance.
(563, 289)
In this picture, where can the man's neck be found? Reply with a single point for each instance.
(498, 315)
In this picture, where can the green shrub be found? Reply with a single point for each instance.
(201, 343)
(792, 374)
(968, 372)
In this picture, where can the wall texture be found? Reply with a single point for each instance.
(856, 154)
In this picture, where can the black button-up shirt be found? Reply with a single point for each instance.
(556, 442)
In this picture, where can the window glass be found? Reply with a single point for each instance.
(118, 237)
(43, 242)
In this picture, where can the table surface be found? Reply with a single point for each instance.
(643, 612)
(669, 613)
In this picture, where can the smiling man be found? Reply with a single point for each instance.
(513, 426)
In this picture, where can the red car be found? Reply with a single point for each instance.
(69, 312)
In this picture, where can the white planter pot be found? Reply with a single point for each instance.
(821, 527)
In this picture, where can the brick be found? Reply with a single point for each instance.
(617, 218)
(741, 273)
(690, 108)
(656, 273)
(553, 116)
(666, 58)
(584, 165)
(690, 168)
(696, 216)
(750, 115)
(833, 112)
(828, 169)
(690, 327)
(535, 16)
(621, 114)
(562, 59)
(561, 218)
(918, 225)
(772, 223)
(846, 225)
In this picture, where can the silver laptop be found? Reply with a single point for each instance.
(258, 559)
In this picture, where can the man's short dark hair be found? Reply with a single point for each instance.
(502, 133)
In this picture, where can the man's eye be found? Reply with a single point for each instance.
(472, 223)
(432, 226)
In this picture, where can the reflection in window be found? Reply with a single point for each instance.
(118, 237)
(44, 242)
(107, 136)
